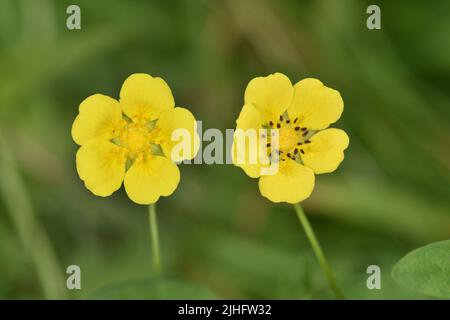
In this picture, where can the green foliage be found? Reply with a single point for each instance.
(390, 195)
(426, 270)
(156, 289)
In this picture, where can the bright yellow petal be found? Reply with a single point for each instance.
(272, 95)
(249, 118)
(293, 183)
(315, 105)
(178, 131)
(249, 152)
(248, 126)
(101, 165)
(326, 150)
(99, 117)
(251, 166)
(150, 178)
(144, 97)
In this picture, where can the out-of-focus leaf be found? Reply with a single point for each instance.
(426, 270)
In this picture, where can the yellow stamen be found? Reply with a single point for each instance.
(287, 138)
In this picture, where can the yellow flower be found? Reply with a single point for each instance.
(130, 140)
(300, 115)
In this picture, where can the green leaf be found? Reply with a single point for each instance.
(426, 270)
(155, 289)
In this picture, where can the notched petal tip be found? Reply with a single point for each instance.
(292, 184)
(326, 151)
(145, 97)
(271, 94)
(98, 117)
(100, 166)
(148, 180)
(316, 105)
(179, 128)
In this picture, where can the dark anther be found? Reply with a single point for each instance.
(278, 125)
(281, 118)
(295, 151)
(297, 128)
(304, 129)
(288, 154)
(271, 123)
(305, 133)
(268, 144)
(301, 150)
(307, 141)
(299, 143)
(287, 121)
(295, 120)
(293, 158)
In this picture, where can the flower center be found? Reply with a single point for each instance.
(135, 139)
(288, 138)
(291, 138)
(139, 140)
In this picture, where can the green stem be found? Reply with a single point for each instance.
(318, 250)
(155, 238)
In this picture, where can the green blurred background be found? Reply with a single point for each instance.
(390, 195)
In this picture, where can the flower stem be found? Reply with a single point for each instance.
(318, 251)
(155, 238)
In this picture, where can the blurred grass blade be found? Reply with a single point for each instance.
(31, 233)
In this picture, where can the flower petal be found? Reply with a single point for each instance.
(151, 177)
(244, 159)
(178, 128)
(326, 150)
(144, 97)
(249, 118)
(246, 141)
(99, 117)
(101, 165)
(272, 95)
(293, 183)
(315, 105)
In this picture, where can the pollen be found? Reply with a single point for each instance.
(136, 139)
(288, 138)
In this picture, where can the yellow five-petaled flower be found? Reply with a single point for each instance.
(131, 141)
(301, 113)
